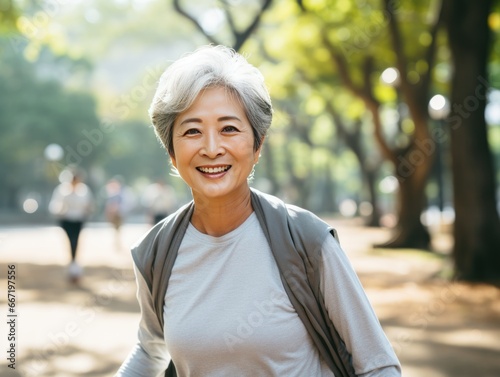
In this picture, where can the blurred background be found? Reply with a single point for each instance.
(387, 121)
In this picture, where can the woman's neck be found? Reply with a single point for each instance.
(218, 217)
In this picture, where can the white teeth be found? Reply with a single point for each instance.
(214, 170)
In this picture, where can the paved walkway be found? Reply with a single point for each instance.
(437, 328)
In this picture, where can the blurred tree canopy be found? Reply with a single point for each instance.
(359, 44)
(342, 45)
(350, 80)
(8, 16)
(80, 78)
(34, 113)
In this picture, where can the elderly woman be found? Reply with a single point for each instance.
(237, 283)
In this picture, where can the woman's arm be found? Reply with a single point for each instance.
(149, 357)
(353, 316)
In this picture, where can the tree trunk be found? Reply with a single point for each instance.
(409, 231)
(411, 168)
(370, 179)
(353, 139)
(476, 229)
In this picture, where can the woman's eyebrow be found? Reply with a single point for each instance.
(221, 119)
(190, 120)
(229, 117)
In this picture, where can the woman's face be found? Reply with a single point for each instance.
(214, 146)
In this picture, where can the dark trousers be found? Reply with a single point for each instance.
(72, 229)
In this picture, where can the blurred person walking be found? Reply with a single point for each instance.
(72, 202)
(237, 282)
(117, 203)
(160, 200)
(113, 207)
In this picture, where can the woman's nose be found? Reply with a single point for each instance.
(213, 145)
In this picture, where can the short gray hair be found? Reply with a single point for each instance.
(207, 67)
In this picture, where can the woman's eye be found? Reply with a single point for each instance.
(192, 131)
(229, 129)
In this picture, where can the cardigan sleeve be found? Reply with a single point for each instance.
(149, 357)
(353, 316)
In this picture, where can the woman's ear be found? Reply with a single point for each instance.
(173, 167)
(257, 152)
(172, 160)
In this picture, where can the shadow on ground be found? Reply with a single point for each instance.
(63, 328)
(49, 283)
(438, 328)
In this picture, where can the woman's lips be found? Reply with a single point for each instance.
(213, 169)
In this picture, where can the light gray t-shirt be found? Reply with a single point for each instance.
(227, 314)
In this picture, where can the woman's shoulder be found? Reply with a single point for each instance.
(161, 227)
(300, 222)
(294, 212)
(145, 248)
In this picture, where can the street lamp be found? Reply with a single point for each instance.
(439, 108)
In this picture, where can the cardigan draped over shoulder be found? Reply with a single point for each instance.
(295, 237)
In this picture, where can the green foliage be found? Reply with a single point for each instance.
(322, 131)
(135, 153)
(94, 67)
(33, 114)
(8, 16)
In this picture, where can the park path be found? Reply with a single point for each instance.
(437, 328)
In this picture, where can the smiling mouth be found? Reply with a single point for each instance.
(214, 170)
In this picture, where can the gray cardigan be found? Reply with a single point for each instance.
(295, 237)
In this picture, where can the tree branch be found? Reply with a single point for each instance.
(397, 45)
(243, 36)
(352, 139)
(364, 93)
(300, 3)
(341, 63)
(430, 53)
(239, 38)
(415, 96)
(194, 21)
(229, 18)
